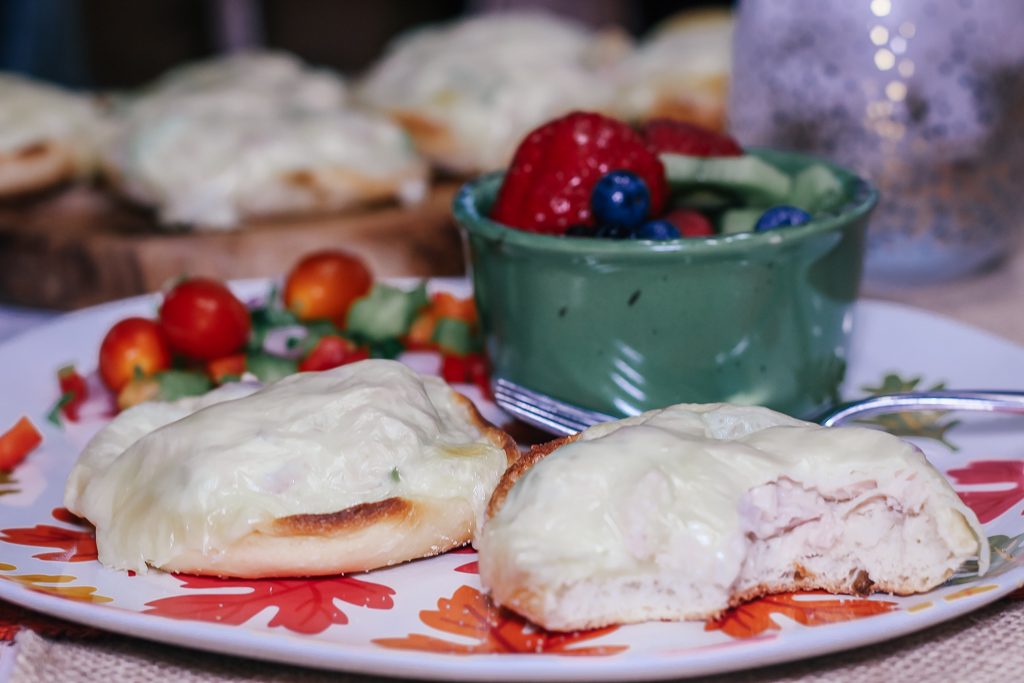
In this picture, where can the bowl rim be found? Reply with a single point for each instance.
(859, 203)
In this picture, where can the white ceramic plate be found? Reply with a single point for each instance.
(428, 619)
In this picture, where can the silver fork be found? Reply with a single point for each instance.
(559, 417)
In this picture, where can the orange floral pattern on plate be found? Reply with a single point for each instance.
(56, 585)
(301, 605)
(755, 617)
(76, 545)
(471, 614)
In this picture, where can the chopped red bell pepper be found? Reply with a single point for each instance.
(17, 442)
(330, 352)
(226, 367)
(73, 390)
(469, 369)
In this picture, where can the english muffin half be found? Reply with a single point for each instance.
(683, 512)
(48, 135)
(346, 470)
(468, 91)
(681, 71)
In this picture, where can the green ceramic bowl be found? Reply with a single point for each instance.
(626, 326)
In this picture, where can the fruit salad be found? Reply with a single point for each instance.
(588, 175)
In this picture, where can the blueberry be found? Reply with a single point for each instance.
(614, 232)
(781, 217)
(580, 231)
(658, 229)
(620, 198)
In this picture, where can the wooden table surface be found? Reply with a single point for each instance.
(81, 246)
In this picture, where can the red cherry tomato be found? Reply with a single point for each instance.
(330, 352)
(202, 319)
(324, 284)
(133, 346)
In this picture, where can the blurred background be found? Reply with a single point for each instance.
(110, 44)
(351, 124)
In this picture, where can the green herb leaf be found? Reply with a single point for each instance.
(455, 336)
(269, 368)
(54, 415)
(175, 384)
(389, 348)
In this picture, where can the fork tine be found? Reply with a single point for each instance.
(962, 399)
(542, 411)
(561, 418)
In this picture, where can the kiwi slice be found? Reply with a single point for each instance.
(816, 188)
(753, 181)
(739, 220)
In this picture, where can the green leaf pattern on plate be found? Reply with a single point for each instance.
(927, 424)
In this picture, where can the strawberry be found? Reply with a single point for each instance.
(548, 185)
(690, 223)
(675, 137)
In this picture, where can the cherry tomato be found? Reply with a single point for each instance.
(132, 346)
(330, 352)
(324, 284)
(202, 319)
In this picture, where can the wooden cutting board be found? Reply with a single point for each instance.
(81, 246)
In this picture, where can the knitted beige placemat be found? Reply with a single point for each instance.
(987, 646)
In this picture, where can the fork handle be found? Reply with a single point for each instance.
(981, 400)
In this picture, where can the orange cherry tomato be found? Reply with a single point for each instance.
(203, 320)
(132, 346)
(324, 284)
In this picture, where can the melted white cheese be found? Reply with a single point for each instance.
(215, 142)
(32, 112)
(212, 169)
(214, 469)
(688, 62)
(489, 80)
(662, 492)
(244, 84)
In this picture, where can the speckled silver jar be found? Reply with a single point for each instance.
(924, 97)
